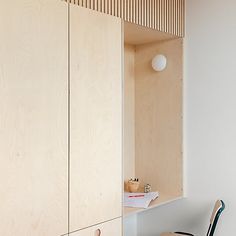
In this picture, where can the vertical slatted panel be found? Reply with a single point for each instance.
(174, 17)
(136, 19)
(163, 15)
(166, 15)
(94, 4)
(183, 17)
(99, 5)
(159, 6)
(182, 13)
(113, 7)
(177, 18)
(134, 10)
(151, 14)
(106, 7)
(148, 13)
(118, 8)
(155, 15)
(122, 9)
(179, 15)
(112, 3)
(140, 12)
(170, 17)
(145, 13)
(130, 11)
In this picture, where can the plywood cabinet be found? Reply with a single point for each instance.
(69, 114)
(95, 118)
(33, 119)
(113, 227)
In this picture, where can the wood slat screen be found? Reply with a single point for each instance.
(163, 15)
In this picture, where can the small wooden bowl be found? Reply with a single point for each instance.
(133, 186)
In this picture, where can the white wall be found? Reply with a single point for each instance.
(210, 124)
(130, 225)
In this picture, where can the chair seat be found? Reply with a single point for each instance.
(218, 208)
(170, 234)
(176, 234)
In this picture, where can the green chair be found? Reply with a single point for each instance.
(218, 208)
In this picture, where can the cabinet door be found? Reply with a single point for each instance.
(96, 101)
(110, 228)
(33, 119)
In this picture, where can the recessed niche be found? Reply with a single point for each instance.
(153, 113)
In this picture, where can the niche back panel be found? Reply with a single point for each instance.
(158, 117)
(162, 15)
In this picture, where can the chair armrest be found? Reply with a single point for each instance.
(184, 233)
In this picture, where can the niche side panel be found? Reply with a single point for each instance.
(129, 112)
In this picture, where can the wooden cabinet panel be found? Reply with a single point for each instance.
(110, 228)
(96, 118)
(33, 120)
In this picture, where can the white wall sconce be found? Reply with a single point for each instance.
(159, 62)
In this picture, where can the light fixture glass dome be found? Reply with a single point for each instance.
(159, 62)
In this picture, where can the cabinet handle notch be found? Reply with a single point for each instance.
(98, 232)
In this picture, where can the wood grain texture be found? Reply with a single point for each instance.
(129, 112)
(136, 34)
(158, 117)
(158, 120)
(162, 15)
(109, 228)
(33, 120)
(96, 118)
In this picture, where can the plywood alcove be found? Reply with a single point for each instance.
(153, 113)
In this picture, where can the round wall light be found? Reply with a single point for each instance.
(159, 62)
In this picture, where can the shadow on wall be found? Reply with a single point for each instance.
(191, 218)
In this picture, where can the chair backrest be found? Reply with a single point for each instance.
(218, 208)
